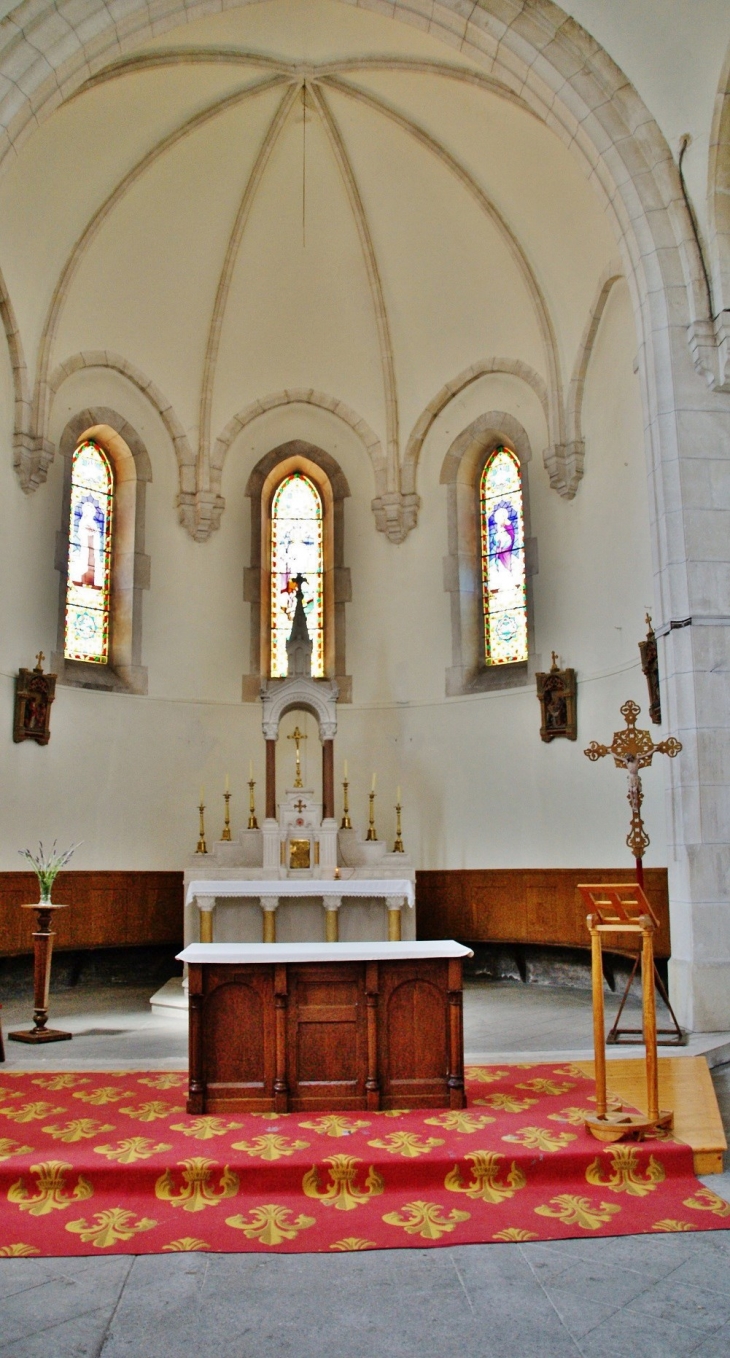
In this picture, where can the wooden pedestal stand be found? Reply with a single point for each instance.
(622, 908)
(42, 950)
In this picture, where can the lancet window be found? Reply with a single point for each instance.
(88, 589)
(297, 549)
(503, 559)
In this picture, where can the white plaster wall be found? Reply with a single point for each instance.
(479, 788)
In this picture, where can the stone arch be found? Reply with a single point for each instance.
(574, 452)
(460, 473)
(332, 484)
(130, 564)
(300, 695)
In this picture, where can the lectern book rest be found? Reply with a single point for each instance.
(335, 1026)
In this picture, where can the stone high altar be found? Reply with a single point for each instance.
(258, 887)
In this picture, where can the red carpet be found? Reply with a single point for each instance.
(111, 1162)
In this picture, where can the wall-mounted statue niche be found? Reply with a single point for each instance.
(650, 666)
(556, 692)
(34, 693)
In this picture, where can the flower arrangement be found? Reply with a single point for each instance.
(47, 866)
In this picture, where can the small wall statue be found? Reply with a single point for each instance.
(557, 693)
(34, 693)
(650, 666)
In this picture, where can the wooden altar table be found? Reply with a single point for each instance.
(309, 1026)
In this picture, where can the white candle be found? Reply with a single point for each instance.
(397, 795)
(372, 786)
(228, 784)
(345, 770)
(250, 770)
(202, 794)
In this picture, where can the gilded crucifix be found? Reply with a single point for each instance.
(632, 750)
(298, 736)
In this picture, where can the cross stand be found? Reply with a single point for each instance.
(632, 750)
(620, 908)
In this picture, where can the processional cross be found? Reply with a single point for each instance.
(633, 750)
(297, 736)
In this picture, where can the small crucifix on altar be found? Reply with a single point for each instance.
(298, 736)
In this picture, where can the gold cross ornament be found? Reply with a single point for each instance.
(632, 750)
(298, 736)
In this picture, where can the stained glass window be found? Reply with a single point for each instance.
(89, 556)
(503, 560)
(296, 549)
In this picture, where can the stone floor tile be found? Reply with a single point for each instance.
(67, 1293)
(653, 1256)
(584, 1295)
(639, 1336)
(81, 1336)
(696, 1307)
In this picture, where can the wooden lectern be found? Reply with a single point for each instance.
(621, 908)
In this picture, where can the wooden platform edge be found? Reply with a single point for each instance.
(685, 1086)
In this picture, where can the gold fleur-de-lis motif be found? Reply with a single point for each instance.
(165, 1080)
(541, 1086)
(573, 1115)
(272, 1117)
(624, 1174)
(110, 1226)
(574, 1211)
(130, 1150)
(426, 1219)
(572, 1070)
(706, 1200)
(50, 1190)
(61, 1081)
(187, 1244)
(9, 1093)
(197, 1190)
(149, 1112)
(353, 1242)
(515, 1233)
(31, 1112)
(270, 1225)
(540, 1138)
(485, 1075)
(206, 1127)
(342, 1192)
(10, 1148)
(506, 1103)
(78, 1129)
(408, 1144)
(18, 1251)
(104, 1094)
(334, 1124)
(670, 1224)
(458, 1120)
(270, 1146)
(486, 1182)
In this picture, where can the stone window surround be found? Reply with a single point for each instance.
(130, 566)
(461, 474)
(267, 475)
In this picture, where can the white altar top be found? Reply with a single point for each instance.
(242, 953)
(389, 887)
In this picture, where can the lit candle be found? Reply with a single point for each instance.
(397, 795)
(372, 786)
(345, 770)
(228, 784)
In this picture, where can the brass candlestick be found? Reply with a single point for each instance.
(202, 846)
(226, 832)
(372, 832)
(252, 821)
(398, 846)
(346, 822)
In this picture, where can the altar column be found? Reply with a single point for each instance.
(332, 918)
(269, 905)
(206, 906)
(271, 780)
(328, 779)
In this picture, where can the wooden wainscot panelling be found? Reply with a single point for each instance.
(525, 905)
(108, 910)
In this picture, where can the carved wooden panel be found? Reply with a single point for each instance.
(524, 905)
(108, 910)
(320, 1035)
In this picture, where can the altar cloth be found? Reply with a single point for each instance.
(321, 952)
